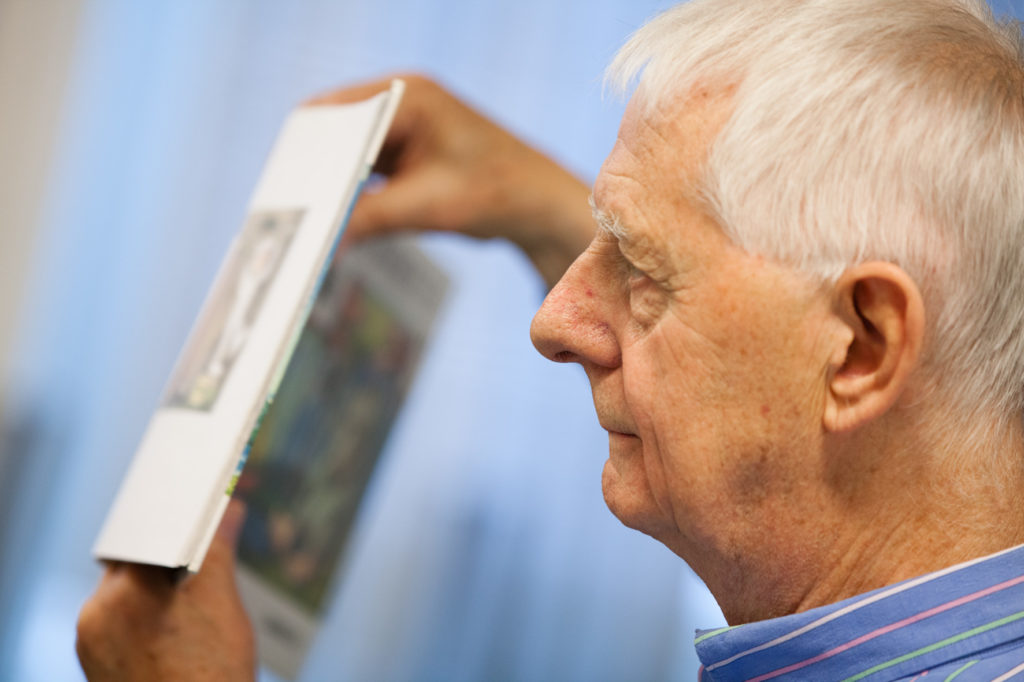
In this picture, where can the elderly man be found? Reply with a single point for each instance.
(802, 318)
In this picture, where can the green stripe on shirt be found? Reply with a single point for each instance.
(959, 670)
(708, 635)
(937, 645)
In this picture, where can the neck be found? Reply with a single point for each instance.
(922, 513)
(891, 513)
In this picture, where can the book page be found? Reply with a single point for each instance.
(320, 440)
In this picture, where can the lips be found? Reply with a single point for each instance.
(612, 414)
(611, 426)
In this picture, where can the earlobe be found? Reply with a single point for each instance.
(882, 313)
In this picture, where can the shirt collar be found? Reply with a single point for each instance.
(903, 629)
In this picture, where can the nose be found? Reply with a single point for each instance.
(574, 324)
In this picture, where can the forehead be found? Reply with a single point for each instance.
(654, 171)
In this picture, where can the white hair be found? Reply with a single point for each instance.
(868, 130)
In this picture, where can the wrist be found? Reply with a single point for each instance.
(557, 225)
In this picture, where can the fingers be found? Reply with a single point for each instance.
(449, 168)
(141, 625)
(431, 159)
(218, 570)
(134, 587)
(139, 590)
(361, 91)
(400, 205)
(354, 93)
(125, 601)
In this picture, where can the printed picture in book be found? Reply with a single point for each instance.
(232, 308)
(318, 443)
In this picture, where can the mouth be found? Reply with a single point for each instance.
(614, 429)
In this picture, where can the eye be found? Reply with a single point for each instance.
(633, 276)
(645, 300)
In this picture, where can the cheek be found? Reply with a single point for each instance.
(673, 377)
(704, 412)
(667, 391)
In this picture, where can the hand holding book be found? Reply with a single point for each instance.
(141, 625)
(450, 169)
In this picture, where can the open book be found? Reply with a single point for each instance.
(184, 471)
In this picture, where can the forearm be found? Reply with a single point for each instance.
(556, 223)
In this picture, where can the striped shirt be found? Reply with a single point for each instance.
(962, 623)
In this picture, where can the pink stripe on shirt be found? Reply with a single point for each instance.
(889, 628)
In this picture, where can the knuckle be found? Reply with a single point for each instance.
(416, 79)
(421, 85)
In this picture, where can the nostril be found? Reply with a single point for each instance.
(563, 356)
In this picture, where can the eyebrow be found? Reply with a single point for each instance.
(607, 222)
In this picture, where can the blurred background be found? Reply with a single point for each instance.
(131, 134)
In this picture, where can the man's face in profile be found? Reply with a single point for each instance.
(707, 364)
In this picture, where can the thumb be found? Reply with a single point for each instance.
(377, 213)
(219, 564)
(231, 523)
(216, 577)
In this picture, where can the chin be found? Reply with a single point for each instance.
(629, 498)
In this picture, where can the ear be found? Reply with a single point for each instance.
(882, 313)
